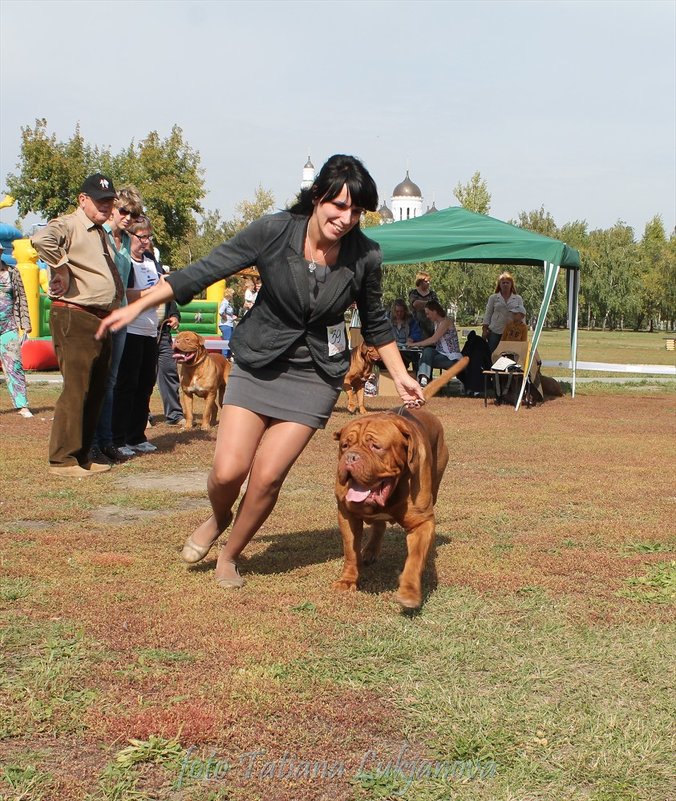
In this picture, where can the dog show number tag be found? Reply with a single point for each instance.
(336, 338)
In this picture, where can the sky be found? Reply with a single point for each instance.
(570, 106)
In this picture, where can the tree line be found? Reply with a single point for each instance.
(625, 282)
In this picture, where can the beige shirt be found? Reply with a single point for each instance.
(73, 240)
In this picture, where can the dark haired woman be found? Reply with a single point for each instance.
(291, 348)
(442, 348)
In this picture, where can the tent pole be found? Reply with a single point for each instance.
(573, 319)
(551, 274)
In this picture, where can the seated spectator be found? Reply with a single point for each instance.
(418, 299)
(442, 349)
(401, 325)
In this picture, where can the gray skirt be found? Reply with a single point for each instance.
(284, 391)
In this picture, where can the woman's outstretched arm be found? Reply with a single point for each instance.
(159, 294)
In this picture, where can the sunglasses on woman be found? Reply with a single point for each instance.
(127, 213)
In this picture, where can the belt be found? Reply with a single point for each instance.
(100, 313)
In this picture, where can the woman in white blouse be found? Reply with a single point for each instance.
(503, 307)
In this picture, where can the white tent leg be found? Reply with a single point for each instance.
(551, 274)
(573, 282)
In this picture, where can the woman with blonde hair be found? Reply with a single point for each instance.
(418, 298)
(227, 317)
(504, 306)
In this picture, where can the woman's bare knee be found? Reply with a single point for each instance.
(222, 476)
(266, 483)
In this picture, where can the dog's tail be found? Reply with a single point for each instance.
(434, 386)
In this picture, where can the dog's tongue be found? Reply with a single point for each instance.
(357, 493)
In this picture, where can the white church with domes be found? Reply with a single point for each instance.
(406, 201)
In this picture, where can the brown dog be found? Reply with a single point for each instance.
(203, 374)
(362, 359)
(389, 470)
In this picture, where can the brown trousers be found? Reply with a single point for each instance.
(83, 362)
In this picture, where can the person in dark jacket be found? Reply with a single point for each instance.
(291, 350)
(476, 348)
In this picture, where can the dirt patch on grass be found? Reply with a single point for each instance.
(182, 482)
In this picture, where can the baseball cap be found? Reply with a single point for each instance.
(98, 187)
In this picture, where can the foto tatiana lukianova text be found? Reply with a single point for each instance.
(258, 765)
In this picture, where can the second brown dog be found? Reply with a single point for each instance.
(362, 359)
(202, 374)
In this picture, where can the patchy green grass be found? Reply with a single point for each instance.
(539, 667)
(658, 586)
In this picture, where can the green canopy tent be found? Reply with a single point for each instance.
(455, 234)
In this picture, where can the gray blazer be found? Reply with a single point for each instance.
(282, 315)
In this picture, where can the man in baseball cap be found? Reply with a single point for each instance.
(84, 287)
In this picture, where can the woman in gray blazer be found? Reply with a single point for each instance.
(291, 349)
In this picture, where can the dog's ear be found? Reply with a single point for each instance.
(411, 439)
(413, 459)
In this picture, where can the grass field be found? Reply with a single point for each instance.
(609, 347)
(616, 347)
(540, 667)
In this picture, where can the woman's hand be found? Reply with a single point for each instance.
(409, 390)
(156, 295)
(117, 319)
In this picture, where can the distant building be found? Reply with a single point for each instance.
(407, 200)
(385, 214)
(308, 174)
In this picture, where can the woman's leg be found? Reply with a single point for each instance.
(239, 433)
(442, 362)
(280, 446)
(125, 389)
(426, 361)
(10, 355)
(493, 341)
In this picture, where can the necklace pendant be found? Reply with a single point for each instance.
(312, 266)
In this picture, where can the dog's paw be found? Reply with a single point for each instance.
(345, 585)
(408, 598)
